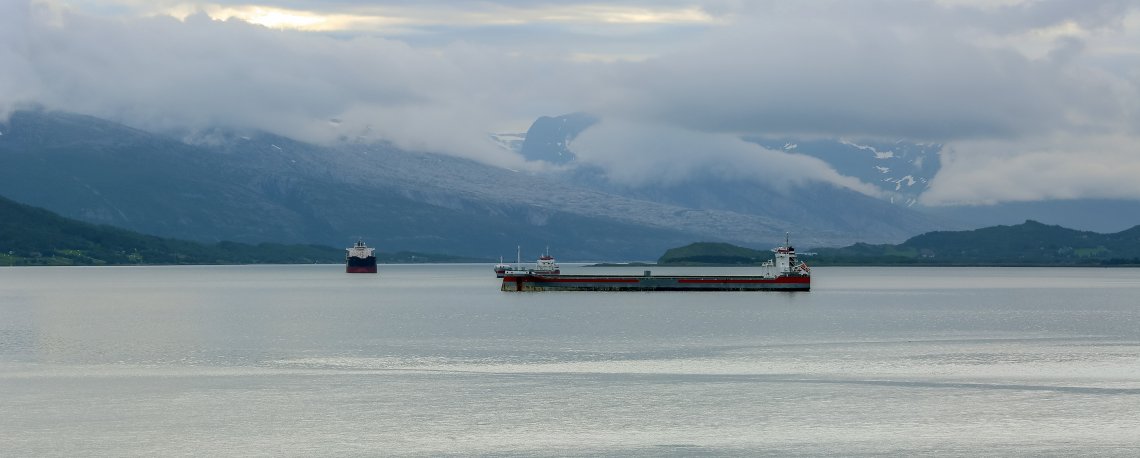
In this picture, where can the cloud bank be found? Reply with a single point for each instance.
(1021, 92)
(1051, 167)
(640, 154)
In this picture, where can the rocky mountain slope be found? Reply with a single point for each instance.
(253, 187)
(34, 236)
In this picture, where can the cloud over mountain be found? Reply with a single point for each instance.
(991, 81)
(637, 154)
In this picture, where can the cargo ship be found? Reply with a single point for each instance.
(546, 265)
(783, 273)
(360, 259)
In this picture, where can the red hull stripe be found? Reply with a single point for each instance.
(571, 280)
(541, 279)
(746, 280)
(360, 269)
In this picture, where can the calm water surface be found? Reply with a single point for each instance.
(434, 360)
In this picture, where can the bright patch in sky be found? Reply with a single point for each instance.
(276, 18)
(360, 18)
(626, 15)
(287, 19)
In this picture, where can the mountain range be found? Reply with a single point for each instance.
(257, 187)
(901, 170)
(34, 236)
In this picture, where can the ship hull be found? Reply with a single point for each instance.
(532, 282)
(354, 265)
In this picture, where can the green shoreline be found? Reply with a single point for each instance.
(1106, 266)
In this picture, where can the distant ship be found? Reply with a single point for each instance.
(546, 265)
(784, 273)
(501, 269)
(360, 259)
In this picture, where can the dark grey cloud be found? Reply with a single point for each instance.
(18, 78)
(1092, 14)
(849, 74)
(162, 73)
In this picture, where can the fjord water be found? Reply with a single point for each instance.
(435, 360)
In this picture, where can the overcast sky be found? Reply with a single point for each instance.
(1034, 99)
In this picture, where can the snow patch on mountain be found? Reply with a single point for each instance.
(901, 169)
(878, 154)
(510, 141)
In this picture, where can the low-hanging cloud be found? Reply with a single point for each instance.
(161, 73)
(636, 155)
(1050, 168)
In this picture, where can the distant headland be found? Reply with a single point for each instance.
(1028, 244)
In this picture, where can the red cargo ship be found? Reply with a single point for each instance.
(784, 273)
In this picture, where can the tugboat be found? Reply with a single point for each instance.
(360, 259)
(784, 273)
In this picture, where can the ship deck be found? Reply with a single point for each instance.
(533, 282)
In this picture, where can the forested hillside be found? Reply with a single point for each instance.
(1028, 244)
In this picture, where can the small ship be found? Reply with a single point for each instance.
(360, 259)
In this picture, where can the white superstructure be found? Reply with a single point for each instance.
(785, 263)
(360, 250)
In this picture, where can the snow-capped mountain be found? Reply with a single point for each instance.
(509, 141)
(548, 139)
(901, 169)
(813, 208)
